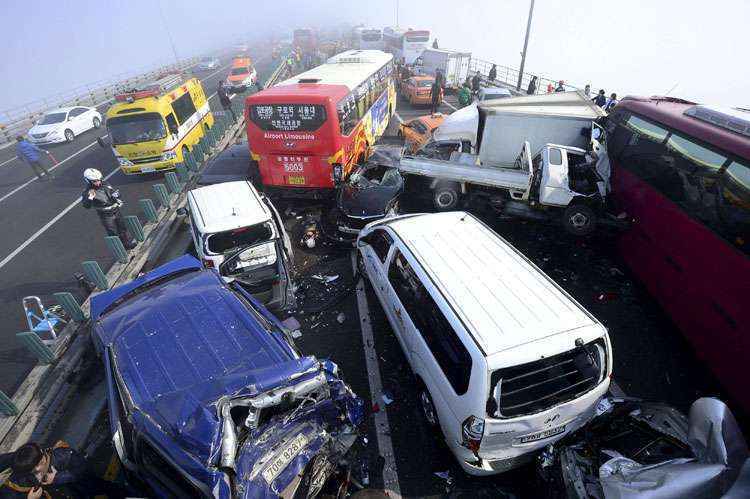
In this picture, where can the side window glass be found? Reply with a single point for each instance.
(438, 334)
(380, 242)
(734, 206)
(183, 107)
(555, 156)
(172, 124)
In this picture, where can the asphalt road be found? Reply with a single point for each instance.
(651, 358)
(43, 245)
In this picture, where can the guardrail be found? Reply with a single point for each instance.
(17, 121)
(509, 76)
(47, 390)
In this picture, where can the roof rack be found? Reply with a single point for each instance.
(151, 89)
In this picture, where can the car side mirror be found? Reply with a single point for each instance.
(181, 212)
(102, 142)
(292, 327)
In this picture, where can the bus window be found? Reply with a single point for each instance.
(694, 157)
(734, 205)
(183, 107)
(172, 124)
(646, 129)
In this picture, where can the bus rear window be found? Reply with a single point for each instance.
(222, 242)
(418, 38)
(288, 117)
(240, 71)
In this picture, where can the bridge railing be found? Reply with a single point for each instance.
(509, 76)
(17, 120)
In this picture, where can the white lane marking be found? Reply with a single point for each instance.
(449, 105)
(46, 226)
(382, 430)
(398, 117)
(8, 161)
(33, 179)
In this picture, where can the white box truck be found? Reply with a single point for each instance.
(474, 154)
(453, 64)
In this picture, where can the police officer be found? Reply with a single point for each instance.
(105, 199)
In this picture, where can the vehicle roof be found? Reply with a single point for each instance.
(569, 104)
(63, 109)
(241, 62)
(232, 164)
(227, 206)
(160, 103)
(670, 112)
(503, 300)
(185, 342)
(495, 90)
(348, 68)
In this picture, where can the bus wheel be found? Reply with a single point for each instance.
(579, 220)
(445, 197)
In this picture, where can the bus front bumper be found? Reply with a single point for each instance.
(148, 167)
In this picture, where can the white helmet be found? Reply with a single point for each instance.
(92, 174)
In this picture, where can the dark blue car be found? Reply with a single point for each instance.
(209, 397)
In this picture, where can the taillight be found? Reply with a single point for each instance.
(337, 172)
(472, 431)
(209, 264)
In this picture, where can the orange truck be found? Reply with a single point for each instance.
(242, 75)
(418, 90)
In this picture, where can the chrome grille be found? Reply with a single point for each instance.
(152, 159)
(537, 386)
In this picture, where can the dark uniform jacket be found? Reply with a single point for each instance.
(106, 201)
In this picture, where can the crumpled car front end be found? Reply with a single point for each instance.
(290, 441)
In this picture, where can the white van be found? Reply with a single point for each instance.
(506, 361)
(238, 231)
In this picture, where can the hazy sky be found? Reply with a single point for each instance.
(626, 46)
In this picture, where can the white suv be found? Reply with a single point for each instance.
(506, 361)
(237, 231)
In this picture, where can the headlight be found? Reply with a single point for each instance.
(255, 257)
(168, 155)
(338, 172)
(124, 161)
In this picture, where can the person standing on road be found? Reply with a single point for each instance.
(57, 472)
(550, 88)
(560, 86)
(226, 102)
(32, 155)
(600, 100)
(434, 43)
(105, 199)
(532, 86)
(587, 90)
(493, 72)
(475, 81)
(436, 93)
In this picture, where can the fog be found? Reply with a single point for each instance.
(628, 47)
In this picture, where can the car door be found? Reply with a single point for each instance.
(79, 120)
(374, 249)
(402, 290)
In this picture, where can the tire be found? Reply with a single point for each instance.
(427, 408)
(446, 197)
(97, 122)
(69, 135)
(579, 220)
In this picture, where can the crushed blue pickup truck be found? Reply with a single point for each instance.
(208, 395)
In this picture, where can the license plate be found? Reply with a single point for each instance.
(284, 457)
(542, 434)
(296, 180)
(148, 169)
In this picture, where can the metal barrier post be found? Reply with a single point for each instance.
(162, 195)
(135, 228)
(216, 134)
(36, 345)
(7, 406)
(149, 210)
(172, 183)
(210, 139)
(182, 172)
(189, 160)
(71, 306)
(94, 273)
(116, 247)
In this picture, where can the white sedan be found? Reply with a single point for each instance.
(64, 124)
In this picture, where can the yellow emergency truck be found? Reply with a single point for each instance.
(152, 127)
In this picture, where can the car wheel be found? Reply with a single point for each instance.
(428, 408)
(69, 135)
(446, 197)
(97, 122)
(392, 209)
(579, 220)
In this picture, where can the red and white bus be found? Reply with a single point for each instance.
(682, 172)
(306, 133)
(406, 44)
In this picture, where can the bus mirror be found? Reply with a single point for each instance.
(102, 143)
(181, 212)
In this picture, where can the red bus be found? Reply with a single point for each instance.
(306, 133)
(682, 172)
